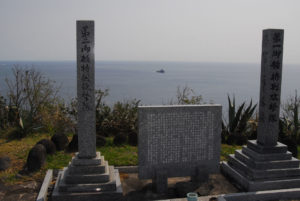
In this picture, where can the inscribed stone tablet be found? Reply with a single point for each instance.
(85, 89)
(270, 87)
(178, 139)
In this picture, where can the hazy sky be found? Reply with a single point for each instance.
(161, 30)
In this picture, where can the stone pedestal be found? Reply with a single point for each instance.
(200, 175)
(258, 167)
(160, 181)
(265, 164)
(88, 176)
(88, 179)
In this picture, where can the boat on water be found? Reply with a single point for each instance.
(160, 71)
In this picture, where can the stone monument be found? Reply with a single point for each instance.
(88, 176)
(265, 164)
(176, 141)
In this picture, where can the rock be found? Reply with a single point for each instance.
(100, 141)
(73, 145)
(4, 163)
(60, 140)
(182, 188)
(133, 138)
(120, 139)
(36, 157)
(23, 192)
(49, 145)
(204, 189)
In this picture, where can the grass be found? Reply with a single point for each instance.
(121, 155)
(124, 155)
(18, 151)
(226, 150)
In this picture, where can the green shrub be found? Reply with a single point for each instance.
(187, 96)
(289, 123)
(238, 129)
(121, 119)
(33, 103)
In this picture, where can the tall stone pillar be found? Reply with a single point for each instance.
(270, 87)
(86, 125)
(265, 164)
(88, 176)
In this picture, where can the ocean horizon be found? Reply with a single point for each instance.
(128, 80)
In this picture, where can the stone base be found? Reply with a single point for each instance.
(88, 179)
(281, 194)
(160, 181)
(256, 168)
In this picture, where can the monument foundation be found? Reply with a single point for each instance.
(266, 164)
(88, 176)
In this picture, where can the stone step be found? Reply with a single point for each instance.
(279, 148)
(266, 157)
(270, 184)
(263, 165)
(84, 162)
(90, 196)
(90, 169)
(116, 195)
(87, 179)
(253, 174)
(95, 187)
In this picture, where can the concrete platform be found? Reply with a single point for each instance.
(97, 181)
(254, 170)
(91, 196)
(282, 194)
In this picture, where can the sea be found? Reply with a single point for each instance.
(128, 80)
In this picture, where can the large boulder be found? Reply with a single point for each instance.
(60, 140)
(120, 139)
(49, 145)
(4, 163)
(73, 145)
(133, 138)
(36, 157)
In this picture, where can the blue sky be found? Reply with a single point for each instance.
(151, 30)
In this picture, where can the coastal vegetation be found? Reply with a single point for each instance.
(31, 111)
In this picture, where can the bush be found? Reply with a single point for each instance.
(122, 118)
(30, 94)
(120, 139)
(240, 126)
(3, 113)
(73, 145)
(289, 124)
(292, 146)
(133, 139)
(100, 141)
(187, 96)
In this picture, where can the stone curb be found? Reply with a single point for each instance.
(44, 189)
(202, 198)
(127, 169)
(282, 194)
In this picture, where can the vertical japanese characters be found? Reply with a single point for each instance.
(85, 89)
(271, 75)
(85, 63)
